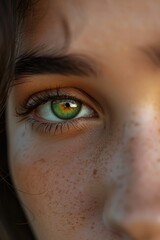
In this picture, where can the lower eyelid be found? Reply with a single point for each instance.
(66, 128)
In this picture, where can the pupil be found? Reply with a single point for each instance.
(67, 105)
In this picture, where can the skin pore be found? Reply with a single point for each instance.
(96, 176)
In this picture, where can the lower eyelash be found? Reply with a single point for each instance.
(56, 128)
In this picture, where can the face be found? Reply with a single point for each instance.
(84, 120)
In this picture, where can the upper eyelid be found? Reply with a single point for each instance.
(50, 97)
(26, 107)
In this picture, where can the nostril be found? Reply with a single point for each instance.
(119, 233)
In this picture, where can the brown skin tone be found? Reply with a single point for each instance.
(102, 179)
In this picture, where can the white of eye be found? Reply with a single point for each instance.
(44, 111)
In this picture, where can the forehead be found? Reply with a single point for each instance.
(130, 22)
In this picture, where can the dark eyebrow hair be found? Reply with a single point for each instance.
(32, 63)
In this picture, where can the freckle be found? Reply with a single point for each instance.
(135, 123)
(42, 160)
(158, 160)
(95, 172)
(132, 139)
(133, 112)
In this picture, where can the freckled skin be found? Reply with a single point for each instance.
(101, 183)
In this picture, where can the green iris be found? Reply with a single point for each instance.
(66, 109)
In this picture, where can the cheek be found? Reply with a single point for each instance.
(62, 180)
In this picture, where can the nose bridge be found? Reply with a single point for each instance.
(142, 147)
(135, 203)
(140, 151)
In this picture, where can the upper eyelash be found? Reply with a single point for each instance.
(41, 98)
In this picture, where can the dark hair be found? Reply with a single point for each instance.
(6, 47)
(13, 224)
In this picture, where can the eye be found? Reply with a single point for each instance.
(63, 110)
(59, 111)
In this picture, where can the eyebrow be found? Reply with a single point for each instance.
(33, 63)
